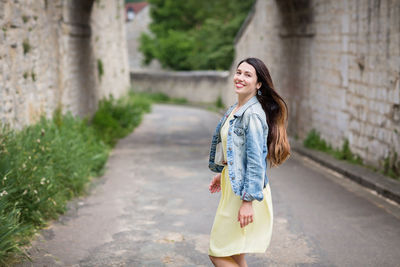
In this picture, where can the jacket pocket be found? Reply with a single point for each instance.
(238, 137)
(239, 131)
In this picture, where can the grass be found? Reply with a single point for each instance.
(217, 106)
(100, 68)
(46, 164)
(390, 166)
(26, 46)
(314, 141)
(161, 98)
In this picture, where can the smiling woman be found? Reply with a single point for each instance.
(252, 132)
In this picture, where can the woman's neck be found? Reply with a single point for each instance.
(242, 99)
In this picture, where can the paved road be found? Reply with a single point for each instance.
(152, 208)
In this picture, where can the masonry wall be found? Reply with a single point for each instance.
(51, 53)
(337, 63)
(194, 86)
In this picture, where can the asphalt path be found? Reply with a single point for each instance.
(152, 208)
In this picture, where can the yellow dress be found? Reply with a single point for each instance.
(227, 238)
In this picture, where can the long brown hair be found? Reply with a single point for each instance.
(276, 111)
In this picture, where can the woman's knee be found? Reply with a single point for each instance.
(223, 261)
(240, 260)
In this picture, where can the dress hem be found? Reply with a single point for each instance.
(237, 253)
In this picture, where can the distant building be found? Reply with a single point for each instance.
(132, 9)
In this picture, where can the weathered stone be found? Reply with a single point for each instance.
(348, 65)
(49, 57)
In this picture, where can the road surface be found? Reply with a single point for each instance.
(152, 208)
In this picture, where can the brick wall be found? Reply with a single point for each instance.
(337, 63)
(49, 57)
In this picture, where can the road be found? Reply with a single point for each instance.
(152, 208)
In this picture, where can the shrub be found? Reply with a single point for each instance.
(193, 35)
(115, 119)
(46, 164)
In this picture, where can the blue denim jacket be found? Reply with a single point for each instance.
(246, 150)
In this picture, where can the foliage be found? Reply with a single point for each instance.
(219, 103)
(391, 164)
(115, 119)
(161, 98)
(193, 35)
(46, 164)
(314, 141)
(100, 68)
(26, 46)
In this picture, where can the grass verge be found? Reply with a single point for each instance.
(46, 164)
(391, 166)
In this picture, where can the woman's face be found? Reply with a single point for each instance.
(245, 80)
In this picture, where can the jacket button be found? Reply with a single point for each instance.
(229, 133)
(233, 178)
(230, 162)
(229, 148)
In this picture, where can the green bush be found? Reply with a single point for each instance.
(115, 119)
(193, 35)
(314, 141)
(46, 164)
(160, 98)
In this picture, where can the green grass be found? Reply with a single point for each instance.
(161, 98)
(217, 106)
(314, 141)
(115, 118)
(46, 164)
(390, 166)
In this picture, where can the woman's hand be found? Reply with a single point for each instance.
(215, 185)
(245, 214)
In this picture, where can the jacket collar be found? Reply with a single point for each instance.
(250, 102)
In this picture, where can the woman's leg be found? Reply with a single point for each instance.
(240, 260)
(223, 261)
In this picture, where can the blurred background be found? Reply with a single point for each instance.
(337, 64)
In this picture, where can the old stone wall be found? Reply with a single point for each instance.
(59, 53)
(337, 63)
(194, 86)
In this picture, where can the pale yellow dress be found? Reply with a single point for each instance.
(227, 238)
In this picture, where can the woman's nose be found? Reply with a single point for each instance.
(239, 77)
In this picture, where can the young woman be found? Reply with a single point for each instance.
(251, 133)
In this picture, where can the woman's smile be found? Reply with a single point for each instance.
(239, 85)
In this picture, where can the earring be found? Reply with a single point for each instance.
(259, 92)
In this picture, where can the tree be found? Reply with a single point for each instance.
(193, 35)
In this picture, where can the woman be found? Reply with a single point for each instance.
(252, 132)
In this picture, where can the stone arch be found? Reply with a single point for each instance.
(296, 32)
(78, 62)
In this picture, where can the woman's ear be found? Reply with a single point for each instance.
(259, 85)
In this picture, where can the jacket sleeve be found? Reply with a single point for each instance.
(254, 178)
(211, 162)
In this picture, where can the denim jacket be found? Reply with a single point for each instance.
(246, 150)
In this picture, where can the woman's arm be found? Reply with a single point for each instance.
(255, 171)
(245, 214)
(215, 185)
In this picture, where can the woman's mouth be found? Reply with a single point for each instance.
(239, 85)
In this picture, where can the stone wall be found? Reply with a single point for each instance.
(59, 53)
(337, 63)
(194, 86)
